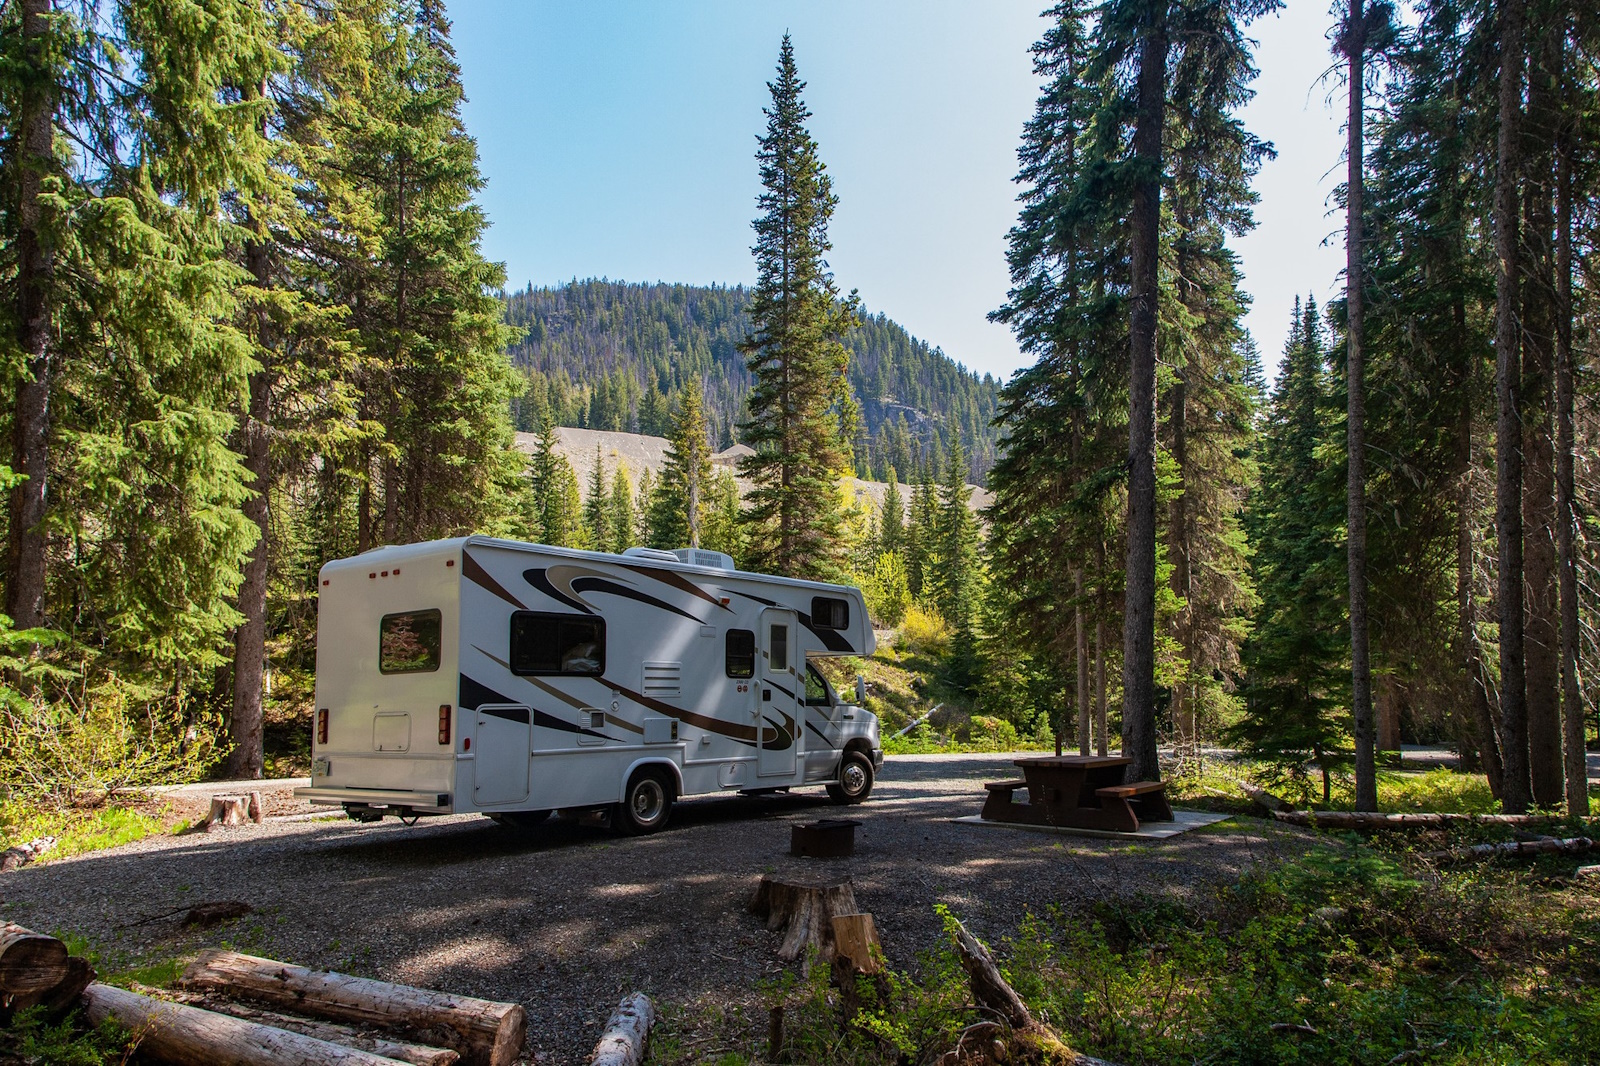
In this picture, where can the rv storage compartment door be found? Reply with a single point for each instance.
(502, 749)
(660, 730)
(391, 731)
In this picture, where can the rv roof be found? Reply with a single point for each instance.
(666, 560)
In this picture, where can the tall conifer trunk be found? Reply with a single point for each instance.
(1575, 763)
(30, 419)
(1355, 45)
(1542, 603)
(1517, 792)
(1081, 646)
(1138, 667)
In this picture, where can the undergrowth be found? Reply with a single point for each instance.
(78, 829)
(1345, 955)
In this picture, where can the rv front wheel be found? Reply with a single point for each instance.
(648, 803)
(855, 779)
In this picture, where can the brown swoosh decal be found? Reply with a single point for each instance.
(473, 571)
(677, 581)
(744, 734)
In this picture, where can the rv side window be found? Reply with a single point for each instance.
(557, 644)
(816, 689)
(830, 613)
(740, 656)
(409, 643)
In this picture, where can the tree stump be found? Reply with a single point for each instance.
(230, 811)
(806, 911)
(30, 962)
(856, 945)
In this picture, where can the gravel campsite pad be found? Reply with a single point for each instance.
(565, 919)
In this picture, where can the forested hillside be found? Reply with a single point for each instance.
(615, 356)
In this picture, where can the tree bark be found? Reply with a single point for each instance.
(1139, 634)
(246, 759)
(1517, 792)
(1475, 675)
(26, 554)
(627, 1033)
(485, 1033)
(1576, 769)
(188, 1036)
(29, 962)
(1081, 646)
(805, 912)
(348, 1036)
(1355, 45)
(1542, 602)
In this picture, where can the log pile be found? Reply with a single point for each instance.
(239, 1010)
(36, 971)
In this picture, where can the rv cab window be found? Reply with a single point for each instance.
(557, 644)
(409, 643)
(739, 659)
(817, 693)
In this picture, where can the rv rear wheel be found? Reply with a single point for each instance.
(648, 803)
(855, 779)
(521, 819)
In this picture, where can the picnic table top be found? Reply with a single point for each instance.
(1075, 762)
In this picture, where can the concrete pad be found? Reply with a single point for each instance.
(1183, 822)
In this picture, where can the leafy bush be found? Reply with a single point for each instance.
(887, 590)
(924, 632)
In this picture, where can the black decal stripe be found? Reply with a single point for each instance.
(677, 581)
(782, 738)
(473, 571)
(780, 688)
(538, 580)
(475, 694)
(820, 734)
(744, 734)
(550, 721)
(600, 584)
(570, 701)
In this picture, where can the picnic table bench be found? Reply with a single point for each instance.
(1077, 791)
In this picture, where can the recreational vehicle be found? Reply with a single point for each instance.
(513, 680)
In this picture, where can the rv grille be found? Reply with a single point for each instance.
(663, 680)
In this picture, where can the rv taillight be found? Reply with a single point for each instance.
(444, 723)
(322, 726)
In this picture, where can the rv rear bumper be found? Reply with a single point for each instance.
(436, 802)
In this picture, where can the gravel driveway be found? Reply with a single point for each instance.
(565, 918)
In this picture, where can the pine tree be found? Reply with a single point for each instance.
(682, 495)
(597, 509)
(892, 524)
(800, 406)
(623, 529)
(955, 557)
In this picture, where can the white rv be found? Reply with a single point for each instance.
(516, 679)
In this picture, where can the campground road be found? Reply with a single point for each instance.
(565, 919)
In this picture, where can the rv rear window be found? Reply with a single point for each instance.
(557, 644)
(830, 613)
(741, 653)
(409, 643)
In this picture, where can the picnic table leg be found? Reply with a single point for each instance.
(1155, 807)
(1117, 815)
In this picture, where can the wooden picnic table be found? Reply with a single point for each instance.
(1078, 791)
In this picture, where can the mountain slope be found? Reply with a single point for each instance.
(611, 355)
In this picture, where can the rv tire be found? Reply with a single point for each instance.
(647, 805)
(521, 819)
(855, 779)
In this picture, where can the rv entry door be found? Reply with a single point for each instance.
(778, 711)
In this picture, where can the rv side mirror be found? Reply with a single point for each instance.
(861, 691)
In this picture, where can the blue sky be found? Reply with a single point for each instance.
(618, 140)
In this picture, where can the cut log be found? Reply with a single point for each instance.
(1513, 849)
(627, 1033)
(1374, 820)
(53, 1001)
(362, 1040)
(485, 1033)
(856, 945)
(806, 911)
(188, 1036)
(23, 854)
(29, 962)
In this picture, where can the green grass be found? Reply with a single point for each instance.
(79, 829)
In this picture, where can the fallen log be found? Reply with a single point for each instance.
(806, 911)
(1374, 820)
(1264, 799)
(1031, 1041)
(23, 854)
(205, 915)
(377, 1043)
(627, 1033)
(485, 1033)
(29, 962)
(1513, 849)
(56, 1000)
(188, 1036)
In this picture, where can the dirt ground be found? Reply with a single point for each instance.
(565, 919)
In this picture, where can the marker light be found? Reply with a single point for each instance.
(444, 723)
(322, 726)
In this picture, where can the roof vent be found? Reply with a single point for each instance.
(699, 557)
(659, 554)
